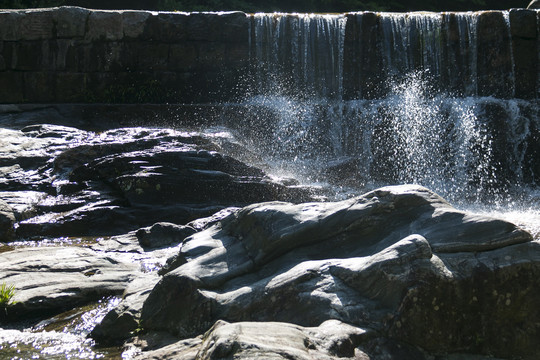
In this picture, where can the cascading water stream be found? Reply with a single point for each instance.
(64, 336)
(467, 23)
(512, 68)
(299, 54)
(414, 41)
(427, 121)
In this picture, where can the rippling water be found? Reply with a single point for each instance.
(61, 337)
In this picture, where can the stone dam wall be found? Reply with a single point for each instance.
(76, 55)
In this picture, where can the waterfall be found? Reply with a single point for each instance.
(359, 55)
(512, 61)
(299, 54)
(412, 42)
(466, 25)
(395, 98)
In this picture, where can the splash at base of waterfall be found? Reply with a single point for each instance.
(477, 149)
(480, 153)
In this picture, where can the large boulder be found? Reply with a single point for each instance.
(399, 261)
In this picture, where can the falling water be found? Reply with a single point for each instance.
(426, 124)
(299, 54)
(413, 42)
(467, 40)
(512, 76)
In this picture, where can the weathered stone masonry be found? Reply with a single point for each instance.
(70, 54)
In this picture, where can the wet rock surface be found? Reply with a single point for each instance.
(119, 180)
(163, 234)
(88, 214)
(211, 258)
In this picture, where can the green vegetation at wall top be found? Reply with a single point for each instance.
(276, 5)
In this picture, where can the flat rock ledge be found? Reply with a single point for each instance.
(50, 280)
(403, 272)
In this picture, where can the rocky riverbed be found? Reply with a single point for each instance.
(161, 243)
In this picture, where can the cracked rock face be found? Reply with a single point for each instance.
(399, 261)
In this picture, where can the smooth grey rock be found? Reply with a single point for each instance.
(479, 294)
(274, 340)
(163, 234)
(280, 341)
(126, 243)
(52, 279)
(204, 223)
(362, 261)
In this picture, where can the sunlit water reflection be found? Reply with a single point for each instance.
(63, 336)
